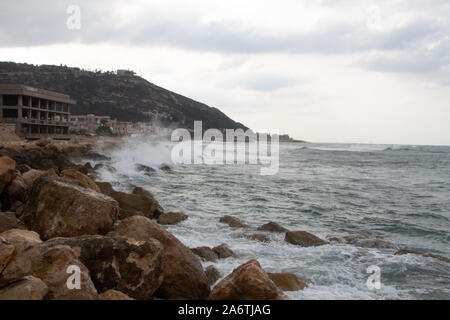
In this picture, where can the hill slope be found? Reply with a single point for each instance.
(125, 97)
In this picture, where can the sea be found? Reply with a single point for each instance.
(398, 193)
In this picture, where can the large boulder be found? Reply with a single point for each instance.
(287, 281)
(247, 282)
(7, 172)
(119, 263)
(113, 295)
(48, 263)
(361, 239)
(57, 208)
(184, 276)
(423, 254)
(139, 203)
(79, 178)
(303, 238)
(171, 217)
(27, 288)
(272, 226)
(233, 222)
(9, 221)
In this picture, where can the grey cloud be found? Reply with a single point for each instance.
(31, 23)
(25, 23)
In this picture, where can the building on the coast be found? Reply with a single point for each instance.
(123, 72)
(35, 113)
(88, 123)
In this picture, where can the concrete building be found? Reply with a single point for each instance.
(119, 127)
(35, 113)
(87, 123)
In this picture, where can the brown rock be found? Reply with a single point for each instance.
(247, 282)
(7, 171)
(27, 288)
(361, 239)
(212, 274)
(166, 168)
(50, 264)
(206, 253)
(57, 208)
(258, 237)
(105, 188)
(304, 239)
(144, 168)
(6, 163)
(8, 221)
(287, 281)
(109, 168)
(14, 192)
(423, 254)
(6, 252)
(183, 273)
(139, 203)
(224, 251)
(272, 226)
(17, 236)
(79, 178)
(133, 267)
(23, 168)
(113, 295)
(158, 210)
(234, 222)
(171, 217)
(30, 176)
(43, 142)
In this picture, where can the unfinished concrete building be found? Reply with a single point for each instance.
(35, 113)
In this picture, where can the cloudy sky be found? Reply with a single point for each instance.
(320, 70)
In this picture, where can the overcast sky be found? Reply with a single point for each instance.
(320, 70)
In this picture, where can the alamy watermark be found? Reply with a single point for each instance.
(374, 280)
(74, 280)
(73, 21)
(215, 147)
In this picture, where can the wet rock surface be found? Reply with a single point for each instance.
(287, 281)
(57, 208)
(26, 288)
(423, 254)
(9, 221)
(249, 281)
(234, 222)
(304, 239)
(171, 217)
(119, 263)
(361, 239)
(212, 274)
(272, 226)
(183, 274)
(223, 251)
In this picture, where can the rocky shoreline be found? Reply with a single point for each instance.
(55, 215)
